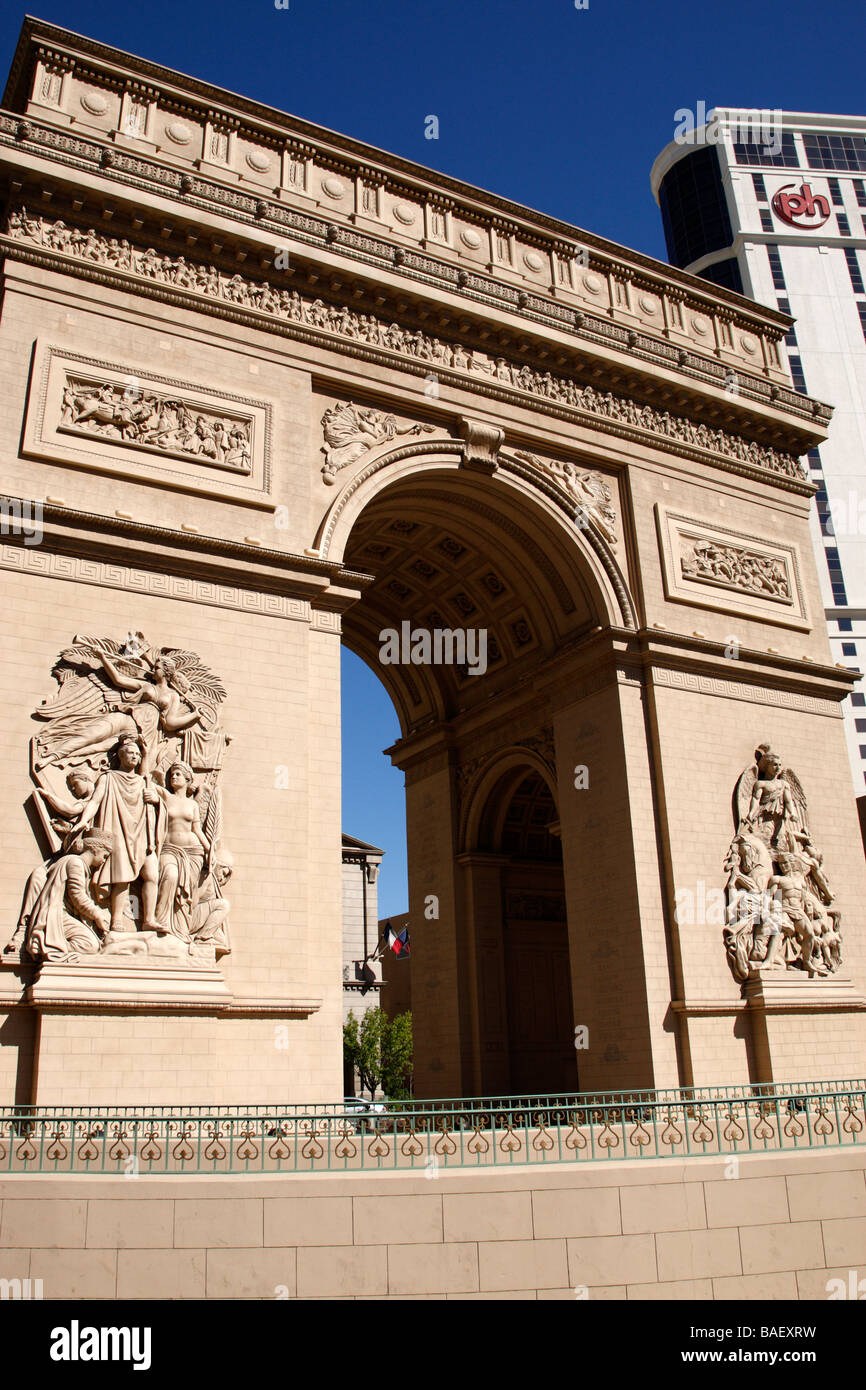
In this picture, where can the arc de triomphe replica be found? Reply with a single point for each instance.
(266, 389)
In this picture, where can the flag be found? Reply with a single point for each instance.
(398, 941)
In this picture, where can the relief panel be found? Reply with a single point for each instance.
(713, 567)
(147, 428)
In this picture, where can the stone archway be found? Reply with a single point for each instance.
(480, 415)
(448, 547)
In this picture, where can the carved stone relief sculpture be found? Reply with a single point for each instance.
(126, 772)
(351, 431)
(352, 326)
(732, 567)
(780, 913)
(145, 419)
(589, 490)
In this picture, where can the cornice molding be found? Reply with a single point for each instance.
(413, 179)
(198, 192)
(146, 272)
(93, 538)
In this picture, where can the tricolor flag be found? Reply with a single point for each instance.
(398, 941)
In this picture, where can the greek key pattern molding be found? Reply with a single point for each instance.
(740, 690)
(179, 587)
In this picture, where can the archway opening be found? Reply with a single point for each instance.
(455, 549)
(520, 826)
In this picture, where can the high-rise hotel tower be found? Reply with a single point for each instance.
(773, 204)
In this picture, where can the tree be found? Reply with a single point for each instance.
(380, 1050)
(397, 1063)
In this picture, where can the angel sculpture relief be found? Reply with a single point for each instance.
(780, 913)
(351, 431)
(130, 751)
(90, 714)
(770, 800)
(589, 490)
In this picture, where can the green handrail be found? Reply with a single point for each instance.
(431, 1135)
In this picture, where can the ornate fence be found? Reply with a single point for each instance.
(429, 1135)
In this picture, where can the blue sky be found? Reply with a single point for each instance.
(558, 108)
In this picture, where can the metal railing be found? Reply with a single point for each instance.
(433, 1134)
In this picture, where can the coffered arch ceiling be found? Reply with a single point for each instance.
(520, 817)
(453, 549)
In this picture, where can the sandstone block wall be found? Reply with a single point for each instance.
(659, 1229)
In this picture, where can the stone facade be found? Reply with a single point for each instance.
(792, 1226)
(271, 388)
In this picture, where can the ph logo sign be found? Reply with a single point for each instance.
(804, 209)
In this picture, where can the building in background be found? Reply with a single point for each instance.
(362, 976)
(773, 205)
(373, 974)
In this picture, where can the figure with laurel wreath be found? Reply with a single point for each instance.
(121, 805)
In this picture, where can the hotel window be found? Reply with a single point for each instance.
(835, 151)
(849, 649)
(837, 584)
(693, 207)
(844, 227)
(754, 152)
(725, 273)
(860, 190)
(776, 267)
(790, 336)
(824, 517)
(797, 376)
(759, 187)
(836, 193)
(861, 310)
(766, 220)
(858, 700)
(854, 271)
